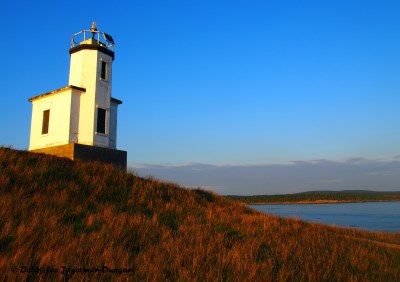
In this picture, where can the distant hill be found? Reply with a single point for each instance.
(320, 196)
(342, 192)
(65, 220)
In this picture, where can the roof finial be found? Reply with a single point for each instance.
(94, 27)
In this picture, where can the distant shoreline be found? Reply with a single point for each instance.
(317, 202)
(319, 197)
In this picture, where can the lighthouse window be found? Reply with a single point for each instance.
(45, 123)
(103, 74)
(101, 120)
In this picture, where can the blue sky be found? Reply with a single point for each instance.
(222, 83)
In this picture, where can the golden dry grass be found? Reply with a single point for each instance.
(55, 213)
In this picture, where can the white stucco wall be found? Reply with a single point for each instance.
(74, 116)
(73, 111)
(85, 71)
(83, 74)
(113, 125)
(60, 124)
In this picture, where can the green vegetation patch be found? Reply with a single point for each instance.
(346, 195)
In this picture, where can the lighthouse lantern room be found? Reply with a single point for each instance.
(79, 121)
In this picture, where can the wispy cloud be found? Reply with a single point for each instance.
(385, 173)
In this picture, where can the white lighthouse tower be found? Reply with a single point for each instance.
(79, 121)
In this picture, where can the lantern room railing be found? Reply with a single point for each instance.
(93, 36)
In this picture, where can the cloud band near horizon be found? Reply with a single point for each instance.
(295, 177)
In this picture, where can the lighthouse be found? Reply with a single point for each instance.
(79, 121)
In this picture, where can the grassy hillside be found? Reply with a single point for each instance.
(313, 196)
(57, 214)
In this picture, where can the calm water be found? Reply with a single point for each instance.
(377, 216)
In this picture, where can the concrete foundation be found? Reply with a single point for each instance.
(87, 153)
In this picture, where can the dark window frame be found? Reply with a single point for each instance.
(103, 73)
(45, 122)
(101, 120)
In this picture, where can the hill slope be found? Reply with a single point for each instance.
(89, 217)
